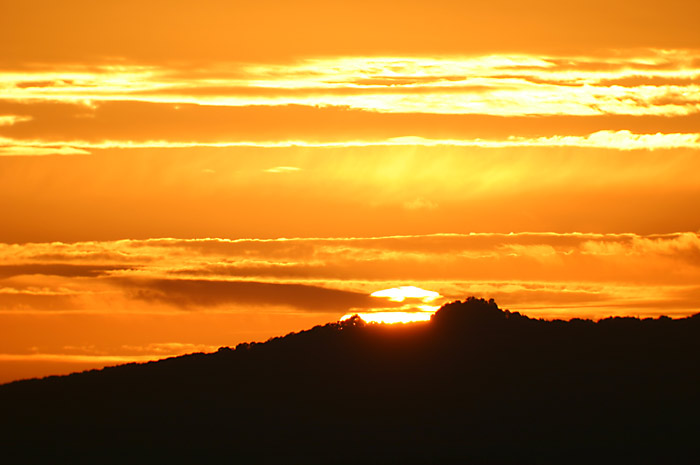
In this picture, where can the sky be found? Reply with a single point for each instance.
(176, 176)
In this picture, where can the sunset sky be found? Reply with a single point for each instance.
(177, 176)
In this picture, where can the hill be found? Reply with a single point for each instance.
(475, 385)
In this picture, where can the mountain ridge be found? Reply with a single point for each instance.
(476, 384)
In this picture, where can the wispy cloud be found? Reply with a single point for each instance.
(282, 169)
(491, 84)
(9, 120)
(336, 274)
(618, 140)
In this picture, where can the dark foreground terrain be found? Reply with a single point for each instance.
(475, 385)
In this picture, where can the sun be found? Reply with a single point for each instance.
(399, 294)
(415, 309)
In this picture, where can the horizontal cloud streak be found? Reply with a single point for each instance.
(57, 269)
(528, 270)
(508, 85)
(79, 358)
(10, 120)
(619, 140)
(199, 293)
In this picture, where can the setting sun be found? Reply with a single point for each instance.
(399, 294)
(415, 307)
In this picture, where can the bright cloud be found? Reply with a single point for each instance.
(490, 84)
(618, 140)
(528, 270)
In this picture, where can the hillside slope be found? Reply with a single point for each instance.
(475, 385)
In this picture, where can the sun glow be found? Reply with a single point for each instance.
(416, 309)
(391, 317)
(399, 294)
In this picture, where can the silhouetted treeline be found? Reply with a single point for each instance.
(475, 385)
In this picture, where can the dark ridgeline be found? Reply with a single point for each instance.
(475, 385)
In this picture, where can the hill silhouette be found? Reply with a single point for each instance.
(474, 385)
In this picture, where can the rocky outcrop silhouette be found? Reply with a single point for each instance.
(476, 384)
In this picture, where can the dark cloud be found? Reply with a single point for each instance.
(278, 270)
(58, 269)
(188, 293)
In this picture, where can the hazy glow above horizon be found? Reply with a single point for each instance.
(391, 317)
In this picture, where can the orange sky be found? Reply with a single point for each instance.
(176, 176)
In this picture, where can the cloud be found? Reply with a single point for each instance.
(167, 348)
(189, 293)
(285, 252)
(10, 120)
(282, 169)
(420, 204)
(72, 270)
(31, 300)
(77, 358)
(493, 84)
(683, 246)
(617, 140)
(334, 274)
(38, 150)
